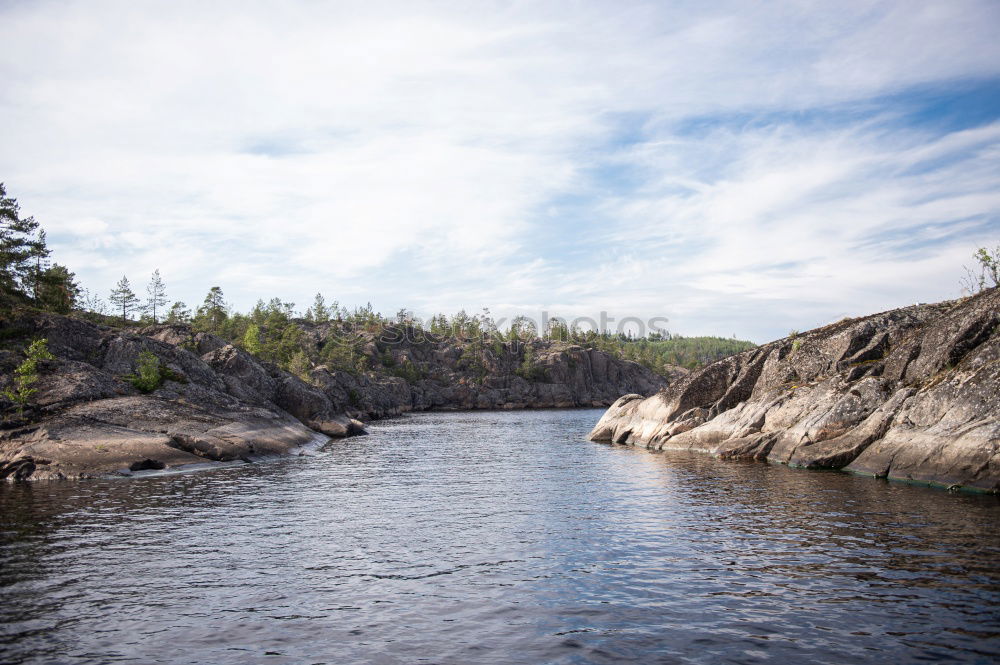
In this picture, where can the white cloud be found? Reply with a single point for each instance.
(409, 152)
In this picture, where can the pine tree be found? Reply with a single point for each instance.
(179, 313)
(123, 298)
(57, 290)
(320, 312)
(40, 253)
(18, 248)
(214, 310)
(157, 293)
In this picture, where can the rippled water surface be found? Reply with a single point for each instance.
(496, 538)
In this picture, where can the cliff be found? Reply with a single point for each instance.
(401, 369)
(911, 394)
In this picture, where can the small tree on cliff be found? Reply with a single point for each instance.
(988, 273)
(26, 374)
(40, 255)
(57, 290)
(124, 299)
(214, 311)
(178, 313)
(156, 294)
(320, 312)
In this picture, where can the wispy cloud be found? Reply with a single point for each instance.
(739, 168)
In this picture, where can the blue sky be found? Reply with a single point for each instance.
(737, 167)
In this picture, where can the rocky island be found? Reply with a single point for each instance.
(910, 394)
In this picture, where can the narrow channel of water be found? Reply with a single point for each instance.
(491, 537)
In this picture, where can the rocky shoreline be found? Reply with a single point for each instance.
(911, 394)
(87, 419)
(217, 403)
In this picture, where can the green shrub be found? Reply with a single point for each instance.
(530, 370)
(251, 339)
(408, 371)
(300, 366)
(26, 374)
(148, 376)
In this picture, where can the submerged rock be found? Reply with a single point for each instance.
(910, 394)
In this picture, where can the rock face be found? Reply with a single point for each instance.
(403, 369)
(217, 404)
(910, 394)
(447, 375)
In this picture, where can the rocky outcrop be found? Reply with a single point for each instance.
(403, 368)
(911, 394)
(450, 374)
(219, 403)
(216, 404)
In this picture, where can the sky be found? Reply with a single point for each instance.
(739, 168)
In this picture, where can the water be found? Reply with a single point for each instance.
(496, 538)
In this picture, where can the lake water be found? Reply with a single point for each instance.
(491, 537)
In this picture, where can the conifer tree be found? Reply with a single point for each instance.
(214, 310)
(40, 253)
(124, 299)
(320, 312)
(179, 313)
(57, 290)
(18, 248)
(157, 294)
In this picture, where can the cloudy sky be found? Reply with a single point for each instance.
(739, 167)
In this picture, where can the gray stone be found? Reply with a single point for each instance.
(910, 394)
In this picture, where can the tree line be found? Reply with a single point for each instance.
(274, 331)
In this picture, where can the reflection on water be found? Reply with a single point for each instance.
(496, 538)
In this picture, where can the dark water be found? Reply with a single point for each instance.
(496, 538)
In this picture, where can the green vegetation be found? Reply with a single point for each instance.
(251, 339)
(26, 277)
(148, 376)
(299, 365)
(178, 313)
(273, 332)
(124, 299)
(151, 373)
(796, 342)
(26, 374)
(690, 352)
(157, 293)
(529, 369)
(986, 273)
(408, 371)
